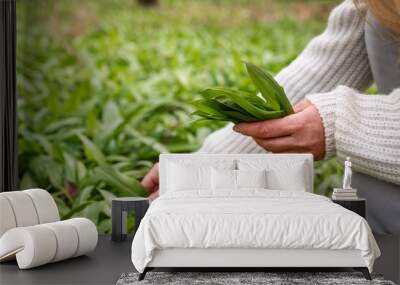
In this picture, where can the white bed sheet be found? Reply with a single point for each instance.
(253, 218)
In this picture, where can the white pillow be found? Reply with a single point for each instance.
(292, 179)
(223, 179)
(183, 177)
(251, 178)
(226, 179)
(280, 174)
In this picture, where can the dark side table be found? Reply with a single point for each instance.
(357, 206)
(119, 214)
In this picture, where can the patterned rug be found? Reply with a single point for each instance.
(243, 278)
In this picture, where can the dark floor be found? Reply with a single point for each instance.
(106, 264)
(102, 266)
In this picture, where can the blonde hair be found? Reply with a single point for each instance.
(387, 12)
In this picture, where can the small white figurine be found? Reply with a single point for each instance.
(347, 174)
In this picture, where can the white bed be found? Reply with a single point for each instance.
(199, 224)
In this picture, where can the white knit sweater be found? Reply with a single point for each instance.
(329, 72)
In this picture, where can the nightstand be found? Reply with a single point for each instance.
(119, 213)
(357, 205)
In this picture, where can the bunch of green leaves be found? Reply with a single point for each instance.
(227, 104)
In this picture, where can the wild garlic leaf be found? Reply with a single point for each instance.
(226, 104)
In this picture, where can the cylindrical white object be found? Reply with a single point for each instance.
(7, 218)
(45, 205)
(23, 208)
(30, 230)
(67, 239)
(87, 234)
(40, 244)
(34, 245)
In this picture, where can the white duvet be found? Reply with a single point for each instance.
(250, 219)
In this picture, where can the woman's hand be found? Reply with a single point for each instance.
(299, 132)
(151, 182)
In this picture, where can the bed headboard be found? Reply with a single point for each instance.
(209, 159)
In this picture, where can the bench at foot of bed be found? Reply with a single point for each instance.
(363, 270)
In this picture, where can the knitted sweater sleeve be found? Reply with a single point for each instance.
(364, 127)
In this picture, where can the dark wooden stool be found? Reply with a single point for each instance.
(119, 214)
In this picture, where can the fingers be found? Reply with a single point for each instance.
(270, 129)
(154, 195)
(301, 105)
(282, 144)
(151, 180)
(297, 133)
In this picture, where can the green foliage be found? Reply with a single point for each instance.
(104, 86)
(225, 104)
(272, 92)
